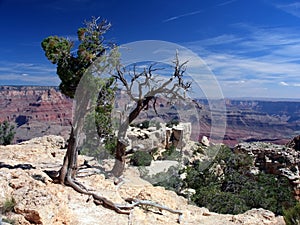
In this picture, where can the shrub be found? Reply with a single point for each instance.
(172, 123)
(169, 179)
(171, 153)
(292, 215)
(236, 190)
(141, 158)
(9, 221)
(7, 133)
(8, 205)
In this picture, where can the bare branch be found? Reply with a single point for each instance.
(137, 202)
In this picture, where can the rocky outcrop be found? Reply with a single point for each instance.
(150, 138)
(39, 201)
(36, 111)
(274, 159)
(294, 143)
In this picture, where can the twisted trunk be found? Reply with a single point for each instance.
(120, 156)
(69, 167)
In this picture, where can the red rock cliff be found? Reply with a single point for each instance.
(36, 111)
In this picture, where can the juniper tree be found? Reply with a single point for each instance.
(74, 71)
(7, 133)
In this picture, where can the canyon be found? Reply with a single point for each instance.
(38, 111)
(35, 111)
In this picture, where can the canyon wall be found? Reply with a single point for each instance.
(249, 120)
(35, 111)
(39, 111)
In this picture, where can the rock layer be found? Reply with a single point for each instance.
(274, 159)
(39, 201)
(36, 111)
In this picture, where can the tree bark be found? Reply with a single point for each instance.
(119, 165)
(69, 167)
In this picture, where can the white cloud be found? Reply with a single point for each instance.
(226, 2)
(30, 73)
(255, 63)
(34, 80)
(182, 15)
(282, 83)
(291, 8)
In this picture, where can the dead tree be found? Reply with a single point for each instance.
(149, 86)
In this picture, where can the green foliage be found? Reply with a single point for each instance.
(169, 179)
(111, 145)
(8, 205)
(9, 221)
(292, 215)
(172, 123)
(7, 133)
(83, 71)
(141, 158)
(98, 127)
(104, 107)
(171, 153)
(235, 190)
(71, 67)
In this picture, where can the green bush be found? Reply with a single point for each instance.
(171, 153)
(9, 221)
(292, 215)
(236, 190)
(7, 133)
(169, 179)
(141, 158)
(8, 205)
(172, 123)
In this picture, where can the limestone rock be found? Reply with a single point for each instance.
(39, 201)
(274, 159)
(294, 143)
(205, 141)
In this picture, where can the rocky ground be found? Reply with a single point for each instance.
(39, 201)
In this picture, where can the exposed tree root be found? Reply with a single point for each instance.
(137, 202)
(119, 208)
(66, 176)
(125, 209)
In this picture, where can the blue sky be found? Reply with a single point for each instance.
(251, 46)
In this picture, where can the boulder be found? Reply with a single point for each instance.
(205, 141)
(294, 143)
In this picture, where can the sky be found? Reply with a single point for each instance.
(251, 46)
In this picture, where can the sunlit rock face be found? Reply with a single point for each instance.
(40, 201)
(274, 159)
(36, 111)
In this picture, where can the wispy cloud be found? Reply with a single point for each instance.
(183, 15)
(226, 2)
(291, 8)
(282, 83)
(263, 62)
(35, 74)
